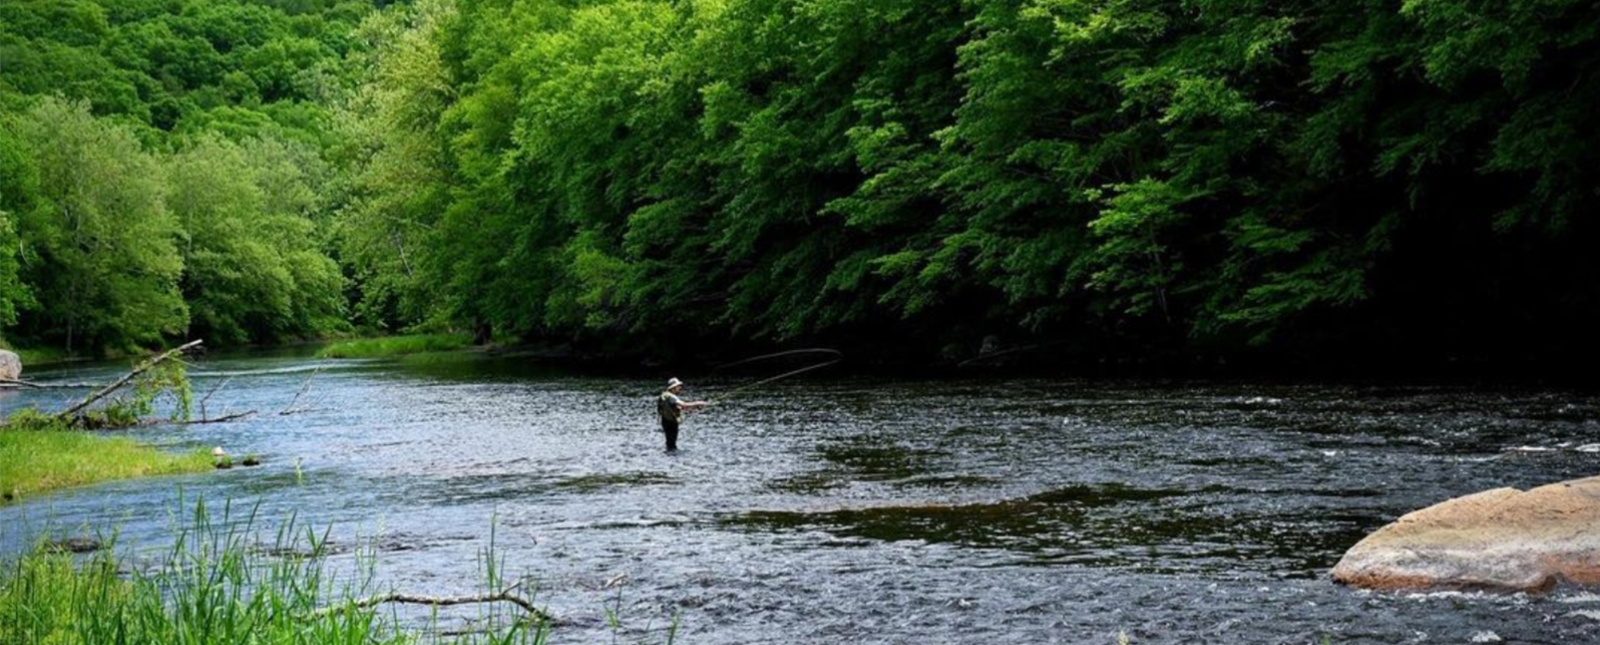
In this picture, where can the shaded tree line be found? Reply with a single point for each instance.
(1410, 179)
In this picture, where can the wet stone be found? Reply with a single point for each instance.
(74, 545)
(1500, 539)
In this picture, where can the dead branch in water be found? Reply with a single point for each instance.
(438, 601)
(207, 397)
(205, 417)
(127, 378)
(12, 382)
(222, 419)
(145, 423)
(290, 409)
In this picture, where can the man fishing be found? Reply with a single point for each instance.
(670, 406)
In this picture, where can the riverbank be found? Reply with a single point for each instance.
(387, 346)
(39, 461)
(988, 358)
(220, 584)
(34, 356)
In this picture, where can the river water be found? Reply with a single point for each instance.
(830, 508)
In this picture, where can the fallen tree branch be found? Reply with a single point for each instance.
(207, 397)
(437, 601)
(11, 382)
(289, 409)
(126, 378)
(145, 423)
(222, 419)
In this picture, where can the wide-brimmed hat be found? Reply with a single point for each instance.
(673, 382)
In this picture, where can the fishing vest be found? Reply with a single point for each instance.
(667, 406)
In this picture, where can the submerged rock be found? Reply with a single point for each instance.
(1503, 539)
(10, 365)
(74, 545)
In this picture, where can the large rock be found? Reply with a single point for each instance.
(10, 365)
(1498, 539)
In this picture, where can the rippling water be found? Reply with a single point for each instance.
(836, 509)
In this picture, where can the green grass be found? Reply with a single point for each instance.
(394, 345)
(221, 583)
(35, 461)
(32, 356)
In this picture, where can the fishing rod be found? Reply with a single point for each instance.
(996, 354)
(836, 354)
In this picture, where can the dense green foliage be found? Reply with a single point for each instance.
(1411, 178)
(162, 173)
(101, 248)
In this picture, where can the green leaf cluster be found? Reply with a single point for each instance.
(1209, 173)
(164, 171)
(1204, 175)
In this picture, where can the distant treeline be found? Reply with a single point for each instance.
(1411, 180)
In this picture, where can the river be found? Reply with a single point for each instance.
(829, 508)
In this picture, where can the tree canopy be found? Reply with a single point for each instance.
(1400, 178)
(163, 170)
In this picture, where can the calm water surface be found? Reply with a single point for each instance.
(839, 509)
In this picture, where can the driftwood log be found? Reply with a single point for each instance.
(222, 419)
(13, 382)
(439, 601)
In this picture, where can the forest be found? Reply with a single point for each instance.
(1402, 182)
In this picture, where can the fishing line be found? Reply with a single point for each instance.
(991, 355)
(836, 354)
(814, 350)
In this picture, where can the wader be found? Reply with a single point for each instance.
(667, 407)
(671, 428)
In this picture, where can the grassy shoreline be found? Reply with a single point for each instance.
(35, 356)
(385, 346)
(223, 581)
(373, 347)
(38, 461)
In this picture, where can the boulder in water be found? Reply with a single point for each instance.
(10, 365)
(1501, 539)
